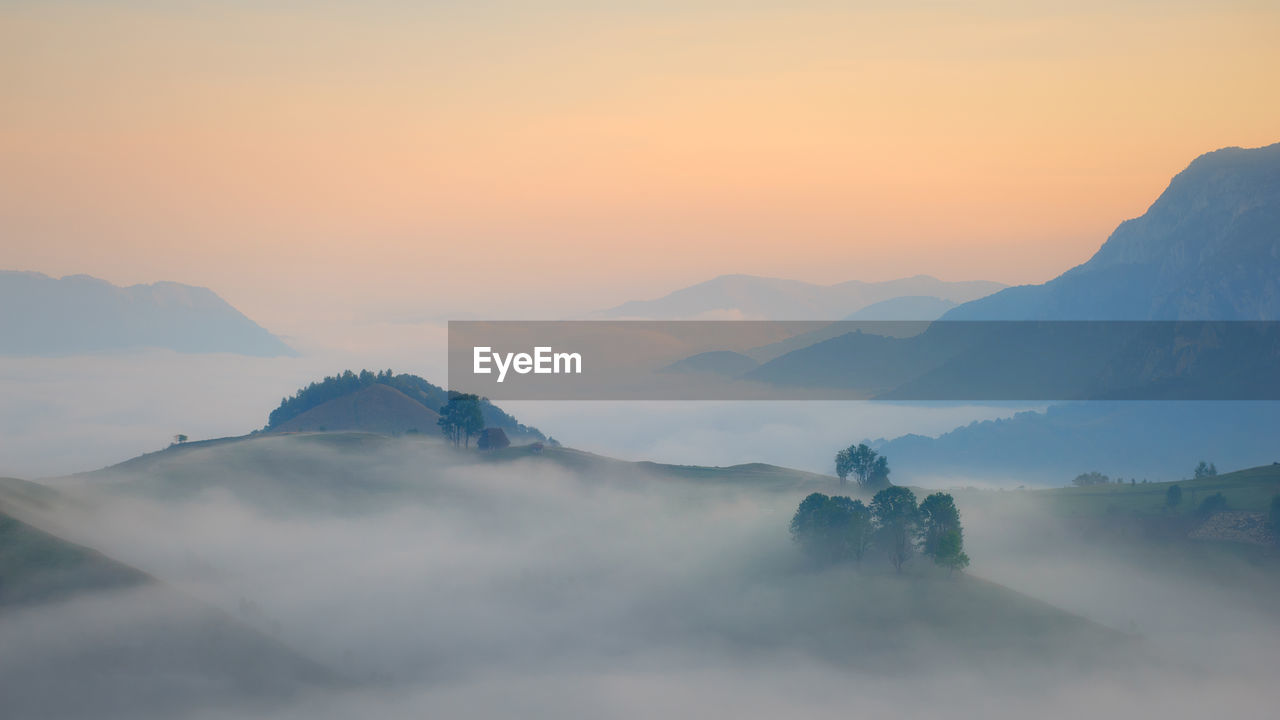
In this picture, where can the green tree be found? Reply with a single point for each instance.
(939, 518)
(897, 518)
(461, 418)
(1173, 497)
(844, 465)
(832, 529)
(871, 469)
(950, 552)
(855, 528)
(179, 439)
(1205, 470)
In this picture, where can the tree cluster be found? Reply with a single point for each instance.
(833, 529)
(869, 468)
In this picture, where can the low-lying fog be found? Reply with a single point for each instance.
(447, 588)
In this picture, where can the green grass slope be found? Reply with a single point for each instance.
(376, 409)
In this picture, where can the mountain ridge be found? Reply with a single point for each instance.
(739, 296)
(1208, 248)
(43, 316)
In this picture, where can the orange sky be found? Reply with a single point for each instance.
(388, 157)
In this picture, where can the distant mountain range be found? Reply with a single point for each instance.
(45, 316)
(732, 297)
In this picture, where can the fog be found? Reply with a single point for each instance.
(429, 583)
(74, 414)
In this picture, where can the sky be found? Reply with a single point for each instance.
(440, 159)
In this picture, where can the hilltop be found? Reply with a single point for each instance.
(381, 402)
(377, 408)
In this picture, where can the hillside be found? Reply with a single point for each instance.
(44, 316)
(854, 619)
(87, 636)
(36, 567)
(758, 298)
(376, 409)
(1207, 249)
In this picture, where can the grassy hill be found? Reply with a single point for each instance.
(87, 636)
(863, 619)
(1250, 489)
(376, 409)
(38, 567)
(362, 401)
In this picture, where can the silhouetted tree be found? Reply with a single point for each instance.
(179, 439)
(1090, 478)
(1173, 497)
(844, 465)
(1205, 470)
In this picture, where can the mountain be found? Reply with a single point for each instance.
(1207, 249)
(377, 409)
(757, 298)
(44, 316)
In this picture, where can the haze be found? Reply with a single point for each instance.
(448, 159)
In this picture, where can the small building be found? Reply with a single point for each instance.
(492, 439)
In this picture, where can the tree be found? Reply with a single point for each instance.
(897, 518)
(871, 469)
(950, 552)
(832, 529)
(1205, 470)
(1212, 504)
(844, 464)
(938, 518)
(856, 527)
(461, 418)
(179, 439)
(1173, 497)
(1090, 478)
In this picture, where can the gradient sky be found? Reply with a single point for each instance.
(440, 157)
